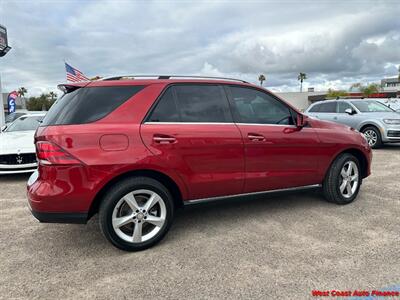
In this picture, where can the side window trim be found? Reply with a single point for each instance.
(235, 113)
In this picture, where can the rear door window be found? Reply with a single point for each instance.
(193, 103)
(88, 104)
(315, 108)
(329, 107)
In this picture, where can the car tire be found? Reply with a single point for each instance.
(136, 213)
(373, 136)
(343, 180)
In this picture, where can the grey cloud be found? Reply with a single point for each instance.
(335, 43)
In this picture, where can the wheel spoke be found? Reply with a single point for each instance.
(350, 169)
(118, 222)
(131, 201)
(157, 221)
(348, 188)
(154, 198)
(354, 177)
(343, 186)
(137, 233)
(343, 173)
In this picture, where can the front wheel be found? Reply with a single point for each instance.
(343, 180)
(136, 213)
(373, 137)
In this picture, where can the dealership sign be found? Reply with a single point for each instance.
(11, 101)
(4, 48)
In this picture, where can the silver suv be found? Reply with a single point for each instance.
(379, 123)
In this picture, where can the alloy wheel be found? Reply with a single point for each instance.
(139, 216)
(348, 179)
(371, 137)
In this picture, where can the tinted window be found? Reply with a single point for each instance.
(89, 104)
(258, 107)
(165, 110)
(371, 106)
(193, 103)
(315, 108)
(25, 123)
(329, 107)
(11, 117)
(343, 106)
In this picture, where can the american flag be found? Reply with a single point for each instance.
(74, 75)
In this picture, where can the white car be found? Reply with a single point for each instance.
(17, 149)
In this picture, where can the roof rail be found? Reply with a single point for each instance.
(171, 77)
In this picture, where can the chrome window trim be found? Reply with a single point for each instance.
(211, 199)
(214, 123)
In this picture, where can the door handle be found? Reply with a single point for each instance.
(335, 118)
(256, 137)
(164, 139)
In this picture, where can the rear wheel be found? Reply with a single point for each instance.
(136, 213)
(343, 181)
(373, 136)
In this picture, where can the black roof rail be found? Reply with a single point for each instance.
(172, 76)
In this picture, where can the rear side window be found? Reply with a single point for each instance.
(329, 107)
(89, 104)
(192, 103)
(315, 108)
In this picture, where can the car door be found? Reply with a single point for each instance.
(278, 153)
(191, 131)
(351, 120)
(327, 111)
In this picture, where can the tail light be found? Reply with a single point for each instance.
(51, 154)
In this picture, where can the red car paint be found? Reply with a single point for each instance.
(202, 160)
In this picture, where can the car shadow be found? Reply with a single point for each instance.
(14, 177)
(389, 147)
(88, 240)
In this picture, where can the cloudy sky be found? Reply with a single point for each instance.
(336, 43)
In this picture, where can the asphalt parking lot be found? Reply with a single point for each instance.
(277, 246)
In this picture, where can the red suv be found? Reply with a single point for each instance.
(135, 149)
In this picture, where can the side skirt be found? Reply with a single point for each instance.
(212, 199)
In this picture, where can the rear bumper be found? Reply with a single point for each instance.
(50, 217)
(17, 169)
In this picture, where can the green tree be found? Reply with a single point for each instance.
(22, 91)
(301, 78)
(332, 94)
(261, 79)
(53, 96)
(43, 102)
(366, 90)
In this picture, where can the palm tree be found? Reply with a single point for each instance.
(301, 78)
(261, 79)
(22, 91)
(52, 95)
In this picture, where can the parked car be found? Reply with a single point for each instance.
(379, 123)
(17, 149)
(137, 149)
(393, 103)
(19, 113)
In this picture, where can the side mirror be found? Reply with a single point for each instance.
(301, 120)
(349, 111)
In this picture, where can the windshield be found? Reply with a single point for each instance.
(13, 116)
(371, 106)
(25, 123)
